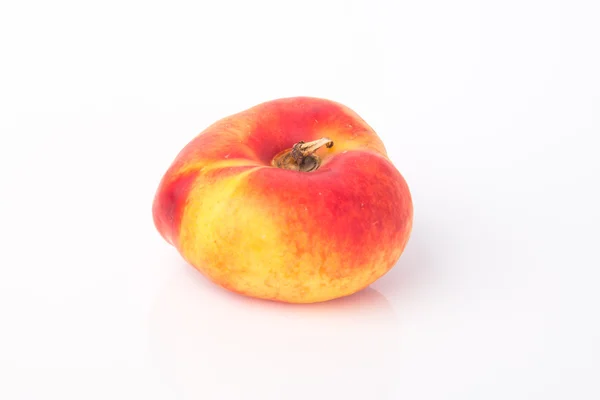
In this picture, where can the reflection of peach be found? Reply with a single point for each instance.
(273, 350)
(293, 200)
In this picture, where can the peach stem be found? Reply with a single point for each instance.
(301, 150)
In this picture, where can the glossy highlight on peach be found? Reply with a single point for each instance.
(321, 225)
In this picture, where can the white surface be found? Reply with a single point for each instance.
(489, 109)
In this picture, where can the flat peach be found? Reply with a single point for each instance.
(293, 200)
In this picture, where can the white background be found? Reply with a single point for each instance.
(490, 109)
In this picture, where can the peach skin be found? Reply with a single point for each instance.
(292, 200)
